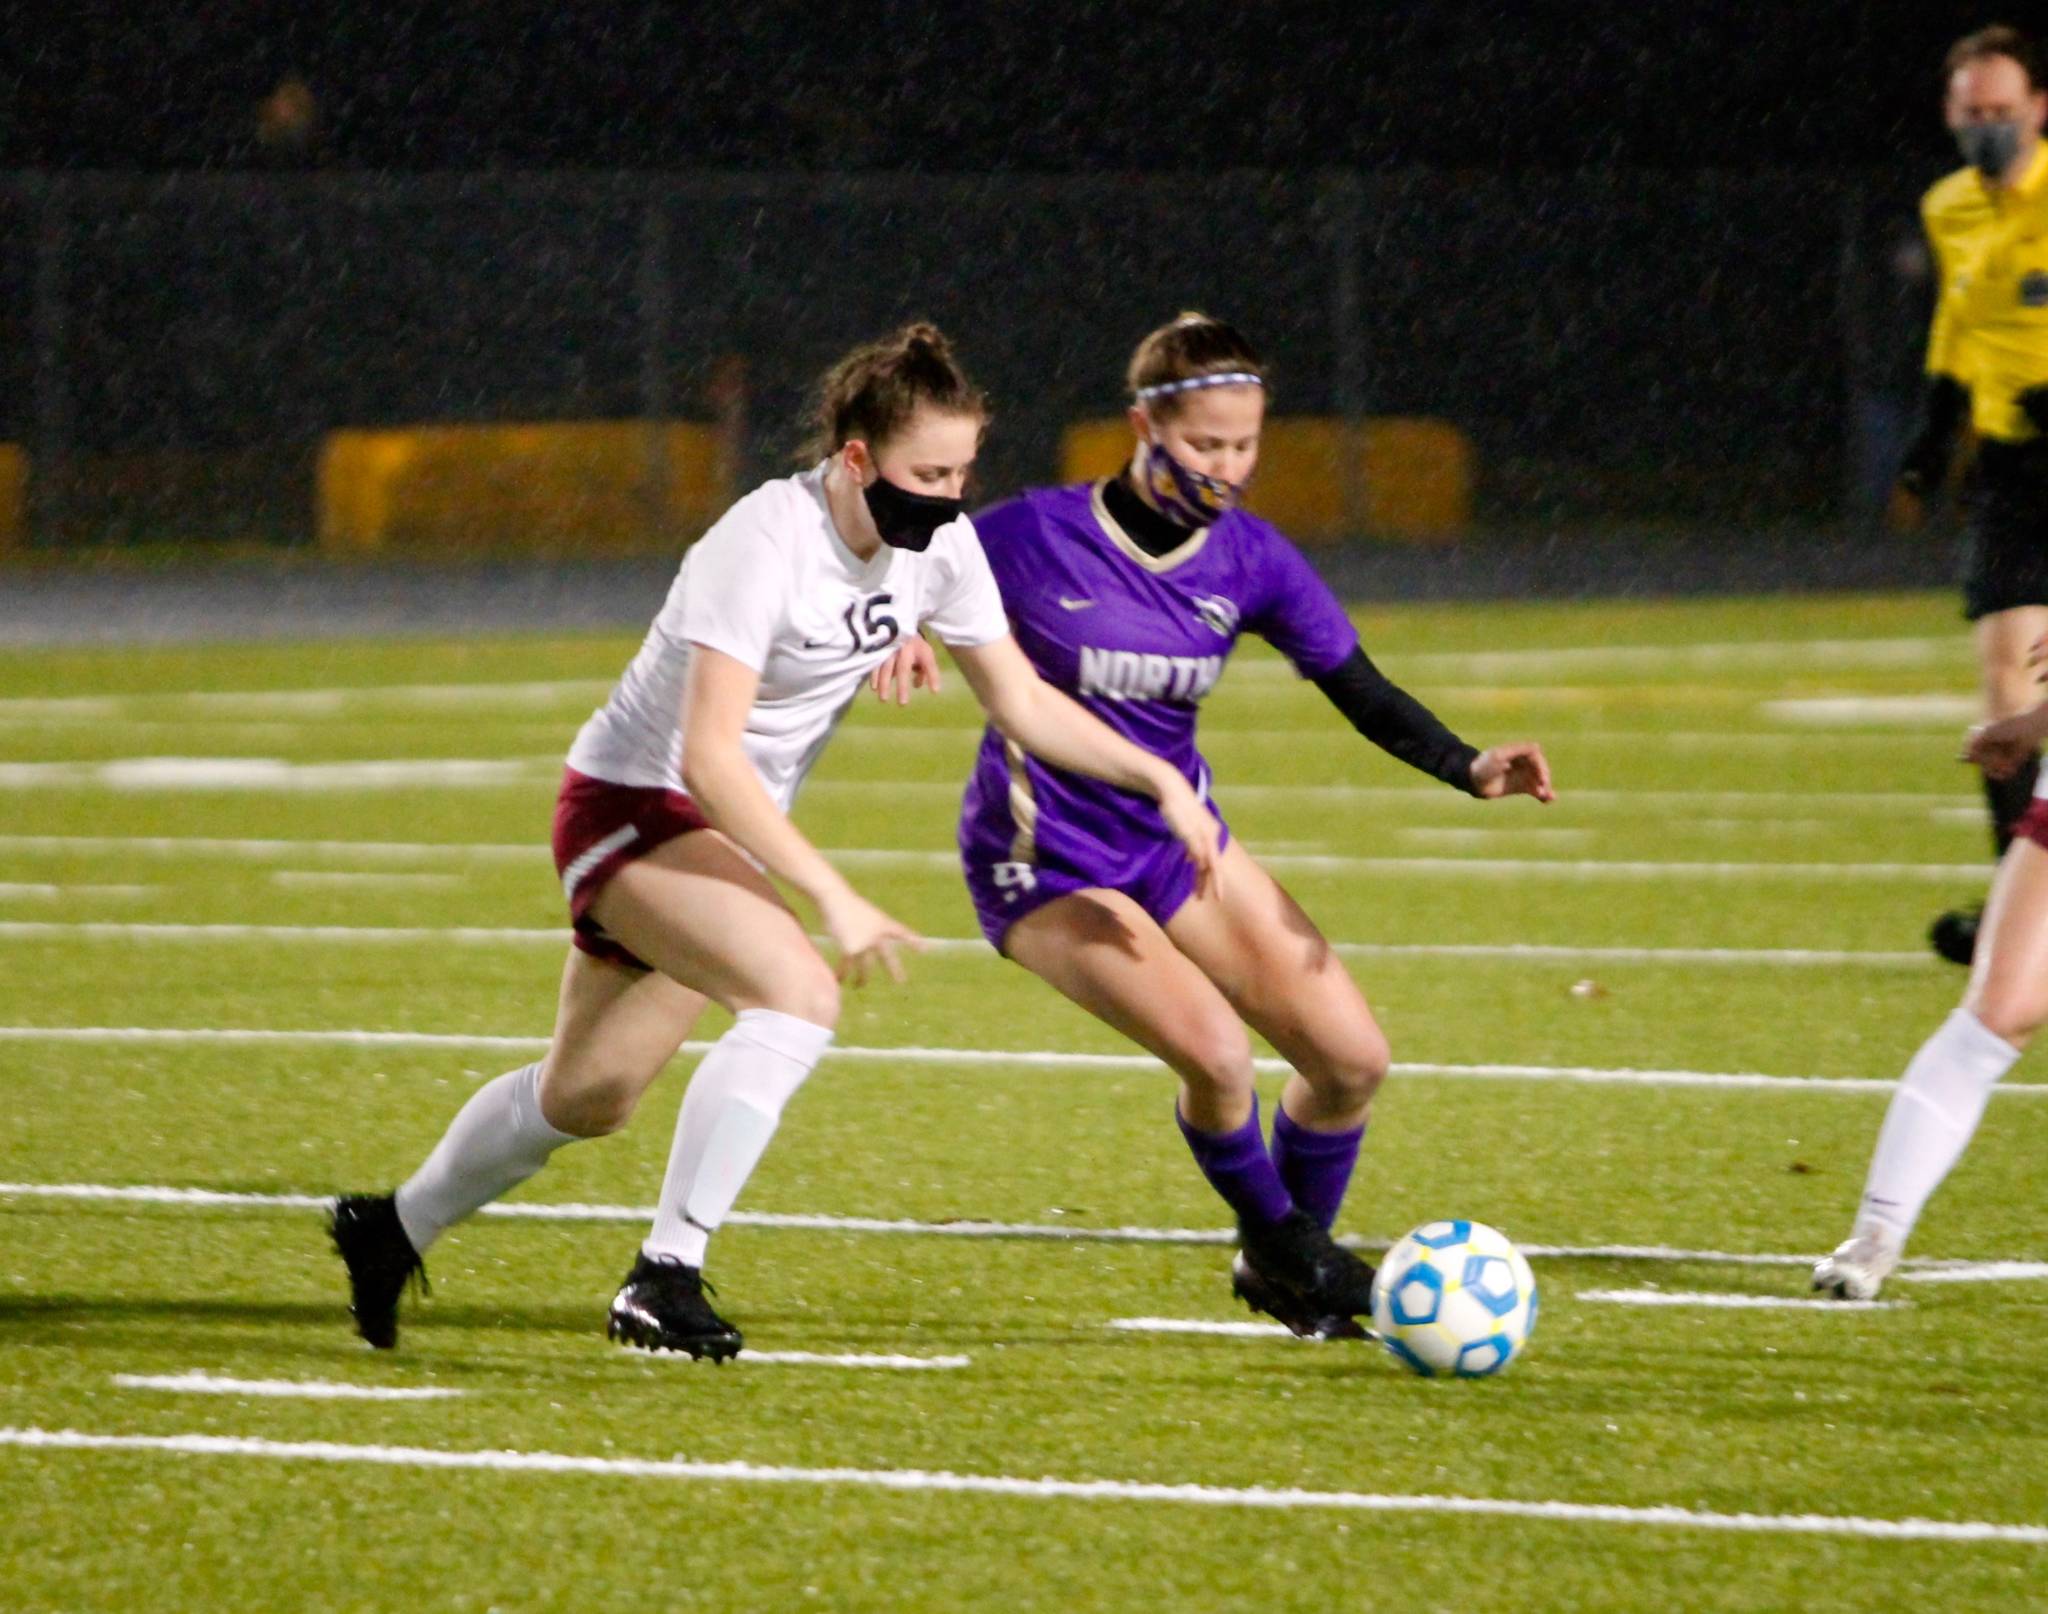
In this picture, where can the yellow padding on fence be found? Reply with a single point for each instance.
(1321, 480)
(13, 497)
(575, 487)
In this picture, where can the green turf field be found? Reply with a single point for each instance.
(1760, 812)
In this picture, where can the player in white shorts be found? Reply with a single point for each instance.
(1939, 1101)
(674, 812)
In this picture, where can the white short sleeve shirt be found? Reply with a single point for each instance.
(773, 585)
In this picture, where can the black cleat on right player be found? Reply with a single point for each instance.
(1296, 1261)
(380, 1260)
(661, 1307)
(1260, 1293)
(1954, 934)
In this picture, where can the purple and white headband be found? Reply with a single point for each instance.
(1196, 383)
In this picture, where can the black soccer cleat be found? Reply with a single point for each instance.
(380, 1260)
(1954, 934)
(1297, 1256)
(1261, 1294)
(661, 1307)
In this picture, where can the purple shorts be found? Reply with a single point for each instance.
(1153, 872)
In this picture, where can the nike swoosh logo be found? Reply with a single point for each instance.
(816, 644)
(1074, 605)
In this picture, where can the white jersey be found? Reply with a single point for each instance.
(774, 585)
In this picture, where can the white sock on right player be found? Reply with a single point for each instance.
(1933, 1113)
(731, 1110)
(496, 1141)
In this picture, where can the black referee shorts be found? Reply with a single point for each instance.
(2006, 528)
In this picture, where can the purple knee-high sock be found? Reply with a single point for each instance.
(1238, 1168)
(1315, 1167)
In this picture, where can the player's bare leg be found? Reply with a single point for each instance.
(1103, 951)
(1267, 956)
(2004, 639)
(1942, 1095)
(700, 912)
(615, 1028)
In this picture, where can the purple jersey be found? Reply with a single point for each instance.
(1139, 640)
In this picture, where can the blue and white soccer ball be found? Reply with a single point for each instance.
(1454, 1298)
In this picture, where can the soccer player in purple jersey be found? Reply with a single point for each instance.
(1130, 595)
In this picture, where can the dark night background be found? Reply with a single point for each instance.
(1055, 88)
(1646, 258)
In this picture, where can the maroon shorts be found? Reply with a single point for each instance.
(2033, 823)
(600, 827)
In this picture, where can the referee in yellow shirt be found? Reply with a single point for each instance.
(1987, 359)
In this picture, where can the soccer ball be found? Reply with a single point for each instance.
(1455, 1298)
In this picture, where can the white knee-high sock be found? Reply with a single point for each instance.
(496, 1141)
(729, 1114)
(1936, 1108)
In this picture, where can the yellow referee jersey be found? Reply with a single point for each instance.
(1991, 317)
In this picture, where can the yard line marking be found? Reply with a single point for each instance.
(1914, 1267)
(1951, 649)
(1802, 653)
(313, 702)
(1973, 1271)
(1200, 1325)
(272, 850)
(1084, 1490)
(44, 891)
(1662, 1297)
(856, 1359)
(1943, 711)
(270, 773)
(197, 1383)
(1498, 867)
(323, 879)
(1036, 1058)
(532, 935)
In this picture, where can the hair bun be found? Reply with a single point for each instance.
(922, 339)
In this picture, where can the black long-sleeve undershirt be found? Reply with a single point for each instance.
(1371, 702)
(1396, 721)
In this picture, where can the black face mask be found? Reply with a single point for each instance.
(1990, 147)
(907, 520)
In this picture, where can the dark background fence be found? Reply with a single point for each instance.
(1621, 346)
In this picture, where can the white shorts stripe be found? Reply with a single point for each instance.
(579, 870)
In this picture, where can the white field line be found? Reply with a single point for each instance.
(302, 1389)
(1914, 1268)
(1974, 1271)
(1680, 805)
(41, 891)
(1200, 1325)
(1800, 654)
(271, 773)
(1943, 711)
(1048, 1489)
(533, 936)
(853, 1359)
(272, 851)
(1029, 1058)
(890, 857)
(356, 879)
(1662, 1297)
(312, 702)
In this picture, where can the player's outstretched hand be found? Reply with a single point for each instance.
(1512, 770)
(914, 666)
(1194, 826)
(865, 937)
(2001, 749)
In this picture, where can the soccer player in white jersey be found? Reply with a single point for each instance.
(674, 812)
(1941, 1098)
